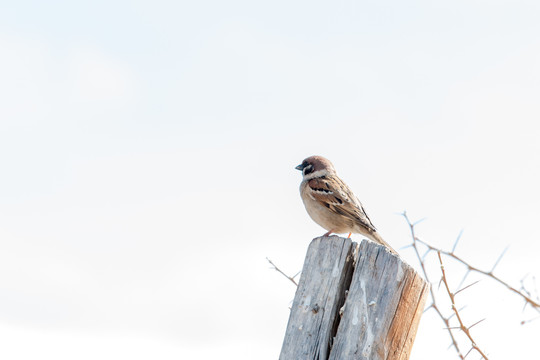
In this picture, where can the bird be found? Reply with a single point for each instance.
(331, 203)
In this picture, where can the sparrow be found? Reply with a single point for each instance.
(330, 202)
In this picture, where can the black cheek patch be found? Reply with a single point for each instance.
(308, 169)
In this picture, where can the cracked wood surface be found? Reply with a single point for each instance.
(379, 316)
(320, 294)
(383, 308)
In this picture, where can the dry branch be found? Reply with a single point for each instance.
(462, 326)
(522, 292)
(531, 298)
(431, 291)
(291, 278)
(534, 304)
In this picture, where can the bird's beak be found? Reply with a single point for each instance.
(299, 167)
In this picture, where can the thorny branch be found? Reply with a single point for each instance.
(527, 297)
(456, 312)
(431, 291)
(522, 292)
(525, 294)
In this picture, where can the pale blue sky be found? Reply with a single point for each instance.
(147, 153)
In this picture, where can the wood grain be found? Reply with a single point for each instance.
(383, 308)
(321, 291)
(368, 308)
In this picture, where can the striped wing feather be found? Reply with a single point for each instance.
(336, 196)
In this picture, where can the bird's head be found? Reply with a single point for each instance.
(315, 166)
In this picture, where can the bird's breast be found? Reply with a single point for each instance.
(322, 215)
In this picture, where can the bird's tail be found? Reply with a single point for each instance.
(375, 236)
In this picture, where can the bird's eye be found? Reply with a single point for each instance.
(308, 169)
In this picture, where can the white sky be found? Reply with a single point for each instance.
(147, 154)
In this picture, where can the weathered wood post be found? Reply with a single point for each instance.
(354, 302)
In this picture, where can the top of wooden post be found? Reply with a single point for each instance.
(354, 302)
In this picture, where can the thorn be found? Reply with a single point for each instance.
(464, 278)
(476, 323)
(457, 240)
(452, 328)
(499, 259)
(468, 352)
(524, 306)
(466, 287)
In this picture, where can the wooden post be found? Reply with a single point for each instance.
(320, 294)
(354, 302)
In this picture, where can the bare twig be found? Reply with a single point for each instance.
(534, 304)
(291, 278)
(462, 326)
(523, 289)
(432, 293)
(530, 298)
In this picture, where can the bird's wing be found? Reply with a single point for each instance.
(333, 193)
